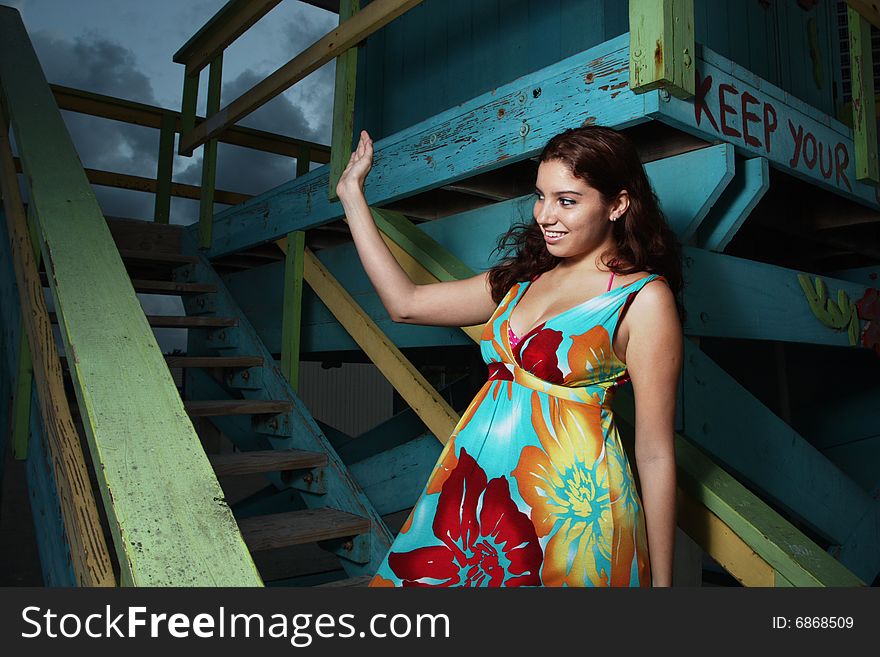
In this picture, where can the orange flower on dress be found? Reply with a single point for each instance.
(380, 582)
(591, 353)
(566, 485)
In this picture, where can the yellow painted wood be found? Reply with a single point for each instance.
(89, 553)
(721, 543)
(863, 108)
(434, 411)
(373, 17)
(291, 320)
(662, 46)
(209, 158)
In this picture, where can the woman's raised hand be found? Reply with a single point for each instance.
(352, 179)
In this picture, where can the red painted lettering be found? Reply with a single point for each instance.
(769, 126)
(798, 137)
(747, 116)
(810, 146)
(841, 162)
(724, 109)
(700, 105)
(825, 174)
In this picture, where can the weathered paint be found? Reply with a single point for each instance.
(454, 144)
(737, 106)
(863, 105)
(662, 46)
(291, 313)
(167, 523)
(750, 183)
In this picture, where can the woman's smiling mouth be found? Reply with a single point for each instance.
(553, 236)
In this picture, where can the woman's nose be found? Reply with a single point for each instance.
(544, 213)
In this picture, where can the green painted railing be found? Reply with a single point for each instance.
(168, 518)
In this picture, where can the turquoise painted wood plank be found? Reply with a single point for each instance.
(735, 297)
(868, 276)
(760, 119)
(497, 128)
(686, 200)
(727, 216)
(848, 417)
(860, 551)
(51, 537)
(858, 460)
(756, 446)
(394, 478)
(167, 525)
(297, 428)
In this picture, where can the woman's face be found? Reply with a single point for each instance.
(572, 215)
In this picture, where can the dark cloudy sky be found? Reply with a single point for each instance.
(123, 48)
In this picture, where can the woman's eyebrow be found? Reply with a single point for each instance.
(570, 192)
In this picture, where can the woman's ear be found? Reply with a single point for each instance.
(619, 205)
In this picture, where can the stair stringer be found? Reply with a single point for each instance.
(295, 429)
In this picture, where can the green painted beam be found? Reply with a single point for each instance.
(209, 158)
(292, 310)
(662, 46)
(164, 169)
(188, 108)
(343, 103)
(166, 511)
(863, 103)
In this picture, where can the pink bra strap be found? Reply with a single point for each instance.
(610, 281)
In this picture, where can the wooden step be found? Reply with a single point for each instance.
(360, 580)
(297, 527)
(217, 407)
(190, 321)
(159, 287)
(172, 287)
(214, 361)
(179, 321)
(272, 460)
(156, 257)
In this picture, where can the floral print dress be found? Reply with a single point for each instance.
(533, 488)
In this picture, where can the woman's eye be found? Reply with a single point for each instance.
(567, 201)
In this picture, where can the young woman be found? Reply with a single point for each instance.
(533, 487)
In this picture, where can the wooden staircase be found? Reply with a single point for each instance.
(271, 431)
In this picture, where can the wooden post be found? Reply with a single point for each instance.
(164, 169)
(293, 285)
(661, 42)
(209, 157)
(343, 103)
(863, 103)
(188, 109)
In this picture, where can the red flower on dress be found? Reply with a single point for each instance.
(496, 547)
(537, 354)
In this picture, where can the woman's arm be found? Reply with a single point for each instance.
(653, 358)
(454, 303)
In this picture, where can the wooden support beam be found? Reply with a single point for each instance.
(868, 9)
(863, 107)
(167, 525)
(291, 320)
(406, 379)
(662, 54)
(209, 157)
(82, 525)
(164, 171)
(149, 185)
(126, 111)
(375, 16)
(224, 27)
(343, 103)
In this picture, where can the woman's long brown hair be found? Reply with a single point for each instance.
(608, 161)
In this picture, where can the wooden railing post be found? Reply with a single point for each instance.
(209, 157)
(863, 103)
(661, 42)
(343, 103)
(164, 169)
